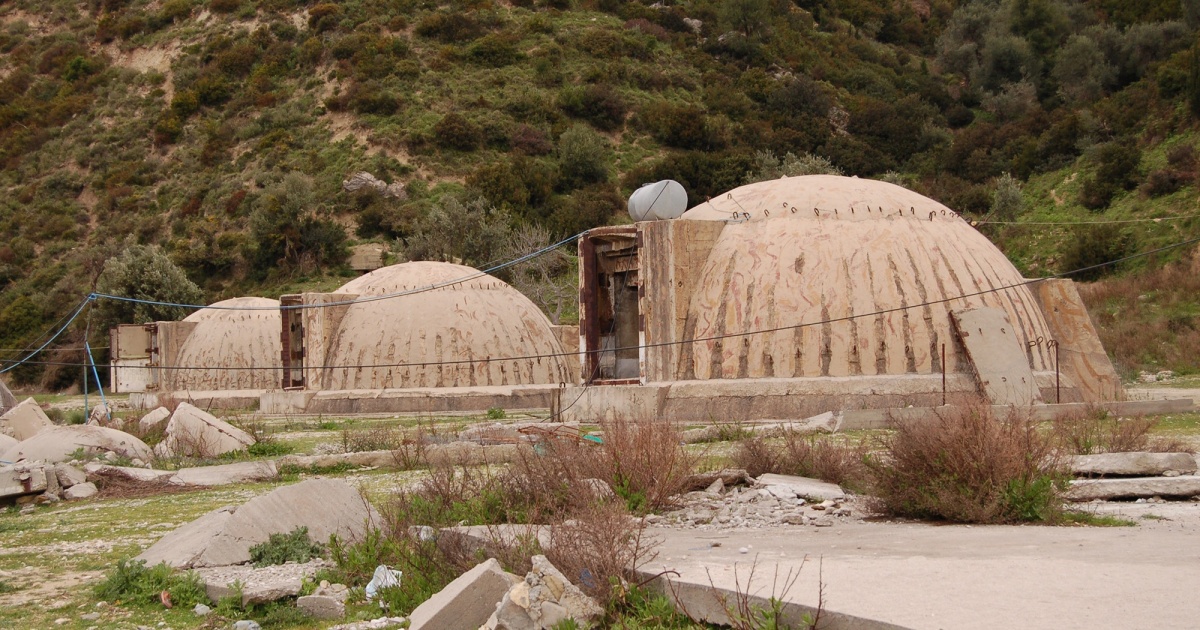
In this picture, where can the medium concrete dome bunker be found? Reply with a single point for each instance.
(808, 294)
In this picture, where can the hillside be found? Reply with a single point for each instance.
(221, 131)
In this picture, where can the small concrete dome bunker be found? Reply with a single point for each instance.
(241, 334)
(849, 256)
(460, 333)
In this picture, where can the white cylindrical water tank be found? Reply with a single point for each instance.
(661, 200)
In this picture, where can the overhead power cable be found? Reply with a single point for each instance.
(1097, 222)
(551, 355)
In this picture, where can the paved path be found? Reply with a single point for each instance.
(957, 577)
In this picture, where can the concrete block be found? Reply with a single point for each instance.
(239, 472)
(25, 420)
(321, 606)
(1133, 464)
(259, 584)
(154, 418)
(7, 442)
(466, 603)
(80, 491)
(195, 432)
(802, 487)
(1000, 362)
(69, 475)
(19, 480)
(57, 444)
(1134, 487)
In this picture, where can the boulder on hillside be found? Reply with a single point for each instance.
(25, 420)
(225, 535)
(58, 444)
(193, 432)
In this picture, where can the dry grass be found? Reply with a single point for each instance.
(1150, 320)
(1095, 430)
(380, 438)
(964, 464)
(807, 455)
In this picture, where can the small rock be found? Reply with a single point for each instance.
(201, 610)
(824, 521)
(80, 491)
(246, 624)
(743, 550)
(62, 621)
(717, 487)
(321, 606)
(92, 616)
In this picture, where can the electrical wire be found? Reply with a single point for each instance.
(748, 333)
(79, 309)
(1098, 222)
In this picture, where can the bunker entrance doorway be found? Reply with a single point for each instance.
(610, 312)
(292, 341)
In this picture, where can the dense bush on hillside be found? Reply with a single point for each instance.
(178, 123)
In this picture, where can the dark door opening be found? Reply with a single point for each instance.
(610, 314)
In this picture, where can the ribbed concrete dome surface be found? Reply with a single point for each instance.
(885, 248)
(464, 334)
(226, 338)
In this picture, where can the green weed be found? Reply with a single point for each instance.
(133, 582)
(295, 546)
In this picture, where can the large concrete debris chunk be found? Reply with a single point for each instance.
(239, 472)
(58, 444)
(80, 491)
(22, 479)
(999, 358)
(801, 487)
(193, 432)
(154, 418)
(224, 536)
(96, 470)
(467, 602)
(1134, 488)
(259, 584)
(7, 442)
(321, 606)
(25, 420)
(543, 600)
(1133, 464)
(69, 475)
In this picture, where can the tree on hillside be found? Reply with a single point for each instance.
(288, 233)
(143, 272)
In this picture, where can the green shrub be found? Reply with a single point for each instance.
(135, 583)
(582, 157)
(598, 104)
(495, 50)
(1092, 246)
(294, 546)
(449, 27)
(964, 464)
(454, 131)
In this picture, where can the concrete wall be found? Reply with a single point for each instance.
(1082, 358)
(569, 337)
(320, 327)
(672, 254)
(170, 337)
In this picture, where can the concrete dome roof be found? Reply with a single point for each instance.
(226, 338)
(884, 248)
(465, 322)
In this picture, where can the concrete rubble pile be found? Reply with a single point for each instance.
(193, 432)
(769, 501)
(489, 597)
(43, 483)
(1136, 475)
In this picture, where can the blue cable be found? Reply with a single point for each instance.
(49, 341)
(99, 386)
(371, 298)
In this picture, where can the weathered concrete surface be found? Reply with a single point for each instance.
(224, 536)
(58, 443)
(425, 400)
(7, 442)
(69, 475)
(259, 585)
(22, 479)
(1134, 487)
(1080, 354)
(244, 335)
(25, 420)
(1133, 464)
(802, 486)
(204, 399)
(321, 606)
(939, 577)
(80, 491)
(880, 418)
(197, 433)
(154, 418)
(465, 603)
(95, 470)
(544, 599)
(999, 360)
(239, 472)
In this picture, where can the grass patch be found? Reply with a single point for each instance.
(1095, 430)
(134, 583)
(1077, 517)
(294, 546)
(826, 458)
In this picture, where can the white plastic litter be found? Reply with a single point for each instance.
(383, 578)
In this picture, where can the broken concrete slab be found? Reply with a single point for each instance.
(147, 475)
(321, 607)
(803, 487)
(1134, 488)
(239, 472)
(69, 475)
(193, 432)
(544, 599)
(153, 419)
(21, 480)
(1133, 464)
(80, 491)
(998, 356)
(7, 442)
(25, 420)
(465, 603)
(57, 444)
(259, 584)
(224, 536)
